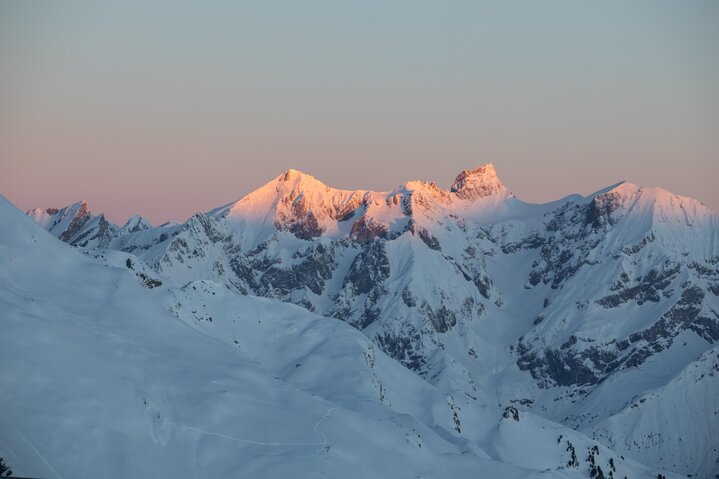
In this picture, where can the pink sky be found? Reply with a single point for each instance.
(165, 110)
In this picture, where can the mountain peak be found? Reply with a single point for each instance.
(51, 216)
(289, 174)
(479, 183)
(293, 175)
(294, 182)
(134, 224)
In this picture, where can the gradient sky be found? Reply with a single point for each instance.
(167, 108)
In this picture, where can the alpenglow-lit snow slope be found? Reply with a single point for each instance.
(595, 316)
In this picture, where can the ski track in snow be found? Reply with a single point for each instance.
(37, 453)
(316, 428)
(323, 445)
(186, 427)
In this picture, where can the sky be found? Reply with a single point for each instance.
(166, 108)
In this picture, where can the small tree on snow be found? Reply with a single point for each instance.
(5, 470)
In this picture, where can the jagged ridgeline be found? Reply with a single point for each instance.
(600, 312)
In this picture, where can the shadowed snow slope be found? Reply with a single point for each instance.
(103, 377)
(593, 312)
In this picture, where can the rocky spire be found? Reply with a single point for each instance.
(479, 183)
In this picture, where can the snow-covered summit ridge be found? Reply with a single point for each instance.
(299, 203)
(665, 205)
(681, 224)
(77, 225)
(47, 216)
(135, 223)
(294, 185)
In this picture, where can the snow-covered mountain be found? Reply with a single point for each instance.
(106, 375)
(600, 313)
(76, 225)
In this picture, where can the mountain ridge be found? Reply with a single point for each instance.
(483, 177)
(170, 381)
(555, 308)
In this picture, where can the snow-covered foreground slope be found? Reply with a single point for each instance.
(686, 407)
(574, 310)
(104, 375)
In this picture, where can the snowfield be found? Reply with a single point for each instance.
(101, 379)
(305, 331)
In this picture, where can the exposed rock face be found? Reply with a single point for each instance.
(565, 246)
(405, 348)
(305, 206)
(314, 267)
(365, 230)
(363, 287)
(98, 236)
(76, 225)
(443, 319)
(429, 240)
(135, 224)
(511, 412)
(300, 220)
(600, 209)
(478, 183)
(78, 221)
(651, 287)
